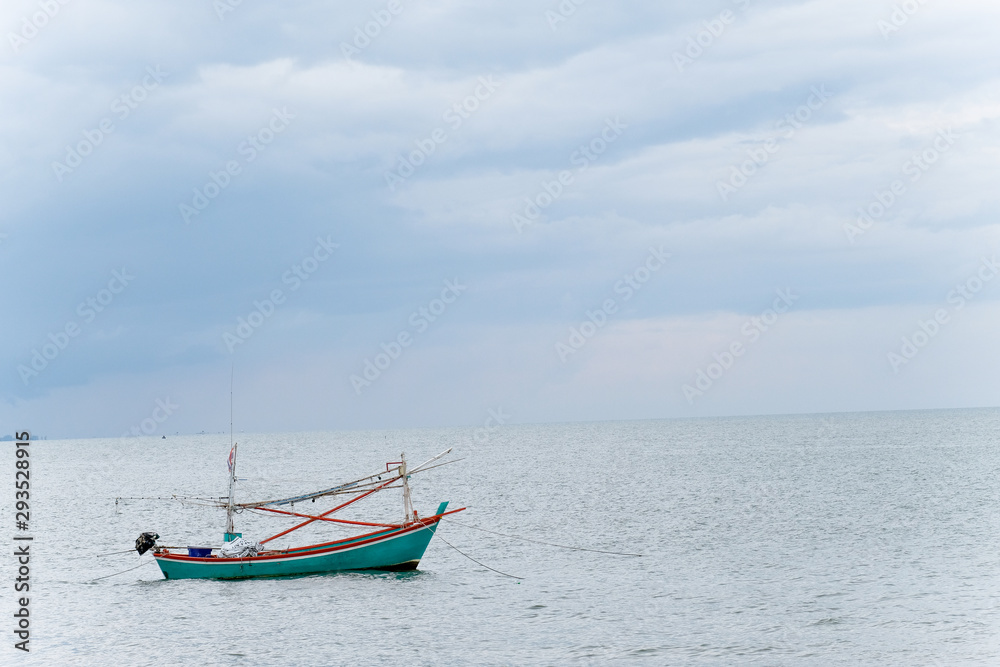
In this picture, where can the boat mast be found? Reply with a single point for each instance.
(407, 503)
(232, 460)
(232, 490)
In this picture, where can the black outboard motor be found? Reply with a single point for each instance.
(145, 542)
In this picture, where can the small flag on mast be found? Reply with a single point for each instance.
(232, 458)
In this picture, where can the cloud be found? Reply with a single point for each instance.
(551, 90)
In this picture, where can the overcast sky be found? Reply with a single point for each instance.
(396, 214)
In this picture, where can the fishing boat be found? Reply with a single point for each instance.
(387, 546)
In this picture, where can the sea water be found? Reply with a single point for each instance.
(839, 539)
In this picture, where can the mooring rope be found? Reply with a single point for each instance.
(476, 561)
(88, 556)
(112, 553)
(123, 571)
(551, 544)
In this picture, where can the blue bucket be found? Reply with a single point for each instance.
(200, 552)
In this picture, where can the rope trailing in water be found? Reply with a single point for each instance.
(123, 571)
(476, 561)
(551, 544)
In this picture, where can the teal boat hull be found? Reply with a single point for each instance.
(393, 549)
